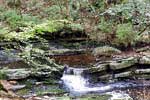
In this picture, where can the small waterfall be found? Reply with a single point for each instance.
(74, 82)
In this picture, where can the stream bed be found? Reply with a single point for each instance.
(74, 85)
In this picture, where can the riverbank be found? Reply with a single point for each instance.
(44, 88)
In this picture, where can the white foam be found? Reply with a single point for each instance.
(119, 96)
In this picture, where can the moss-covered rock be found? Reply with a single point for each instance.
(99, 68)
(125, 63)
(123, 74)
(54, 72)
(15, 74)
(50, 28)
(105, 51)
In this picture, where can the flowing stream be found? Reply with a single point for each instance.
(76, 84)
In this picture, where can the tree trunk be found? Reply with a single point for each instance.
(67, 8)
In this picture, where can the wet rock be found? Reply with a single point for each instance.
(98, 68)
(6, 56)
(123, 74)
(105, 51)
(144, 60)
(17, 87)
(16, 74)
(119, 96)
(125, 63)
(54, 72)
(142, 76)
(106, 77)
(142, 71)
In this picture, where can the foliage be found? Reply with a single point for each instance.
(100, 19)
(47, 27)
(53, 12)
(2, 75)
(11, 17)
(136, 12)
(14, 20)
(125, 34)
(3, 31)
(104, 32)
(104, 26)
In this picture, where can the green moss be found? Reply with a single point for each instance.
(101, 97)
(23, 91)
(50, 81)
(105, 27)
(47, 27)
(52, 89)
(2, 74)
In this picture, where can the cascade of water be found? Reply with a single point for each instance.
(75, 82)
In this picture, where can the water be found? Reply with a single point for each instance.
(76, 84)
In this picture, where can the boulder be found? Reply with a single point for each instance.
(16, 74)
(105, 51)
(125, 63)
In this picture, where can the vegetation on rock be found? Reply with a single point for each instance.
(105, 51)
(39, 30)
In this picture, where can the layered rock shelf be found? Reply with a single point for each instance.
(128, 68)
